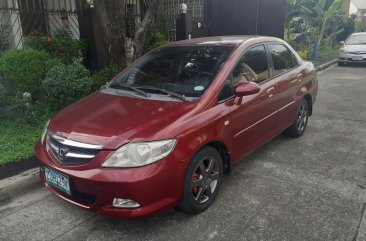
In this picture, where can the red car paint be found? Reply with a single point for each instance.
(240, 124)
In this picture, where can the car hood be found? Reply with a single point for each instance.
(355, 48)
(112, 121)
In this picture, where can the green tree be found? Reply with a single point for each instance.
(323, 13)
(299, 9)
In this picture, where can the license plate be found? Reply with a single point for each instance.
(357, 57)
(57, 180)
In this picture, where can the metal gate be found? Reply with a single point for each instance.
(19, 18)
(171, 10)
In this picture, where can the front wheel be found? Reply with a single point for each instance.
(298, 127)
(202, 181)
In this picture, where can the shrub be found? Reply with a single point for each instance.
(101, 77)
(304, 54)
(61, 45)
(23, 71)
(157, 40)
(65, 84)
(31, 112)
(3, 97)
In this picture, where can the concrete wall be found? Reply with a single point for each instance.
(12, 21)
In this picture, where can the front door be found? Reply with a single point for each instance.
(254, 119)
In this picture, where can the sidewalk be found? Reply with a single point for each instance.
(16, 185)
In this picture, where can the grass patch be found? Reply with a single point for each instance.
(327, 54)
(17, 138)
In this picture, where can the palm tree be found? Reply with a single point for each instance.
(297, 9)
(322, 14)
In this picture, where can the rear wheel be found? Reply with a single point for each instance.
(340, 64)
(298, 127)
(202, 181)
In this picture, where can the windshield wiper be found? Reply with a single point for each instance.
(178, 96)
(141, 92)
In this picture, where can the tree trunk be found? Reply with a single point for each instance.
(111, 23)
(321, 35)
(120, 48)
(144, 32)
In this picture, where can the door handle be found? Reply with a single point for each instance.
(270, 92)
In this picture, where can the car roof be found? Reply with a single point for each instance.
(221, 40)
(361, 33)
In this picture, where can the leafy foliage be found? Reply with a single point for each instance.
(318, 19)
(66, 84)
(103, 76)
(349, 27)
(157, 41)
(3, 96)
(23, 71)
(17, 137)
(61, 45)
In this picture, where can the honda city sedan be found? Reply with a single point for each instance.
(164, 132)
(353, 50)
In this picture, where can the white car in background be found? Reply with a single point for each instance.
(353, 49)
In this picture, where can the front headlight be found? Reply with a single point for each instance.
(342, 51)
(140, 154)
(44, 132)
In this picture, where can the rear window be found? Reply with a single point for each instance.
(185, 70)
(282, 58)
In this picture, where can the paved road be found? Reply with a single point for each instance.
(312, 188)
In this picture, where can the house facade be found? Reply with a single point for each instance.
(21, 17)
(358, 8)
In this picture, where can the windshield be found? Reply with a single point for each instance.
(357, 39)
(184, 70)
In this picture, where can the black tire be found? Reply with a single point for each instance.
(298, 127)
(200, 189)
(340, 64)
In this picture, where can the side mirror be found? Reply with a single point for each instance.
(342, 42)
(245, 89)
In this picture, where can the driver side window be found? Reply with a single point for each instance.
(251, 67)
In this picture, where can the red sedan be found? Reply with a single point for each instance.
(163, 132)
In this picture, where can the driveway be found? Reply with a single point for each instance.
(311, 188)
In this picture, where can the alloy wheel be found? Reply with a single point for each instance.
(205, 179)
(302, 118)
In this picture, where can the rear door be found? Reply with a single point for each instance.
(288, 74)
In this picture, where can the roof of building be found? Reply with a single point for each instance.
(360, 4)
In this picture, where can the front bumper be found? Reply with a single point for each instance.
(156, 187)
(351, 58)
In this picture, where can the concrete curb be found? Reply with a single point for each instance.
(15, 185)
(326, 65)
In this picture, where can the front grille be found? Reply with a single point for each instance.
(84, 197)
(71, 152)
(358, 52)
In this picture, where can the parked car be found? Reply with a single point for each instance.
(163, 132)
(353, 49)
